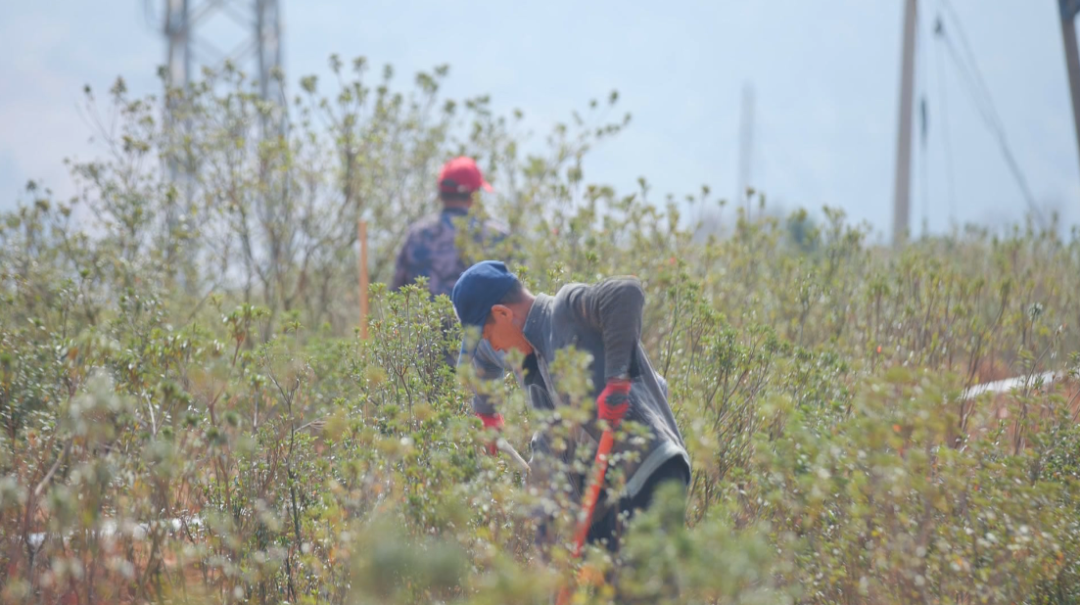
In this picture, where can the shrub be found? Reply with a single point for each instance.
(188, 416)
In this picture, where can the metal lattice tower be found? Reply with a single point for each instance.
(195, 32)
(251, 28)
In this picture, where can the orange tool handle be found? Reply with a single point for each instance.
(607, 441)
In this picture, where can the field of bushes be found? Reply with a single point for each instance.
(188, 415)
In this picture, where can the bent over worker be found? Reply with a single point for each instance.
(604, 320)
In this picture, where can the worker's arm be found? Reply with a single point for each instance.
(613, 307)
(489, 365)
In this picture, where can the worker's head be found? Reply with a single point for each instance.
(490, 298)
(459, 179)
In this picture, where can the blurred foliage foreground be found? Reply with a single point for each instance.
(187, 416)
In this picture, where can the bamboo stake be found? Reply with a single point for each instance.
(362, 231)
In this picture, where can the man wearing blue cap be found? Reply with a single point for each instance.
(603, 320)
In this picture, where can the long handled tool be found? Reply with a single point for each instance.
(509, 450)
(607, 440)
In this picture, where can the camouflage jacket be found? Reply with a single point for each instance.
(430, 250)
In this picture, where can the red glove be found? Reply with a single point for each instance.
(614, 401)
(491, 421)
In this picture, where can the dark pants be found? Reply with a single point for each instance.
(608, 529)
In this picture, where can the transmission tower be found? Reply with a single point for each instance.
(250, 28)
(195, 32)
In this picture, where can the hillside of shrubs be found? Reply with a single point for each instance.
(189, 415)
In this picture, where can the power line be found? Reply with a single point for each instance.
(946, 136)
(969, 70)
(972, 79)
(978, 79)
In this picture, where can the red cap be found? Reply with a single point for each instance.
(461, 175)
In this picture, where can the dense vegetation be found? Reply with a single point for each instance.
(188, 414)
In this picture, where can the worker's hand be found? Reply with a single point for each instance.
(492, 421)
(614, 401)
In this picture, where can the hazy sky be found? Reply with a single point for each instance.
(826, 76)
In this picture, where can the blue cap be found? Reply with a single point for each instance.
(478, 289)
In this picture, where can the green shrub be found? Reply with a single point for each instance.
(187, 414)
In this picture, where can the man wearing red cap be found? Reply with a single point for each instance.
(430, 249)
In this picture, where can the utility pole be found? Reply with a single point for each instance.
(746, 146)
(902, 194)
(1069, 10)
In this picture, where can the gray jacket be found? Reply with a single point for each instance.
(603, 320)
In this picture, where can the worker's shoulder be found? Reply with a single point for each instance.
(578, 294)
(620, 280)
(427, 229)
(614, 281)
(425, 222)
